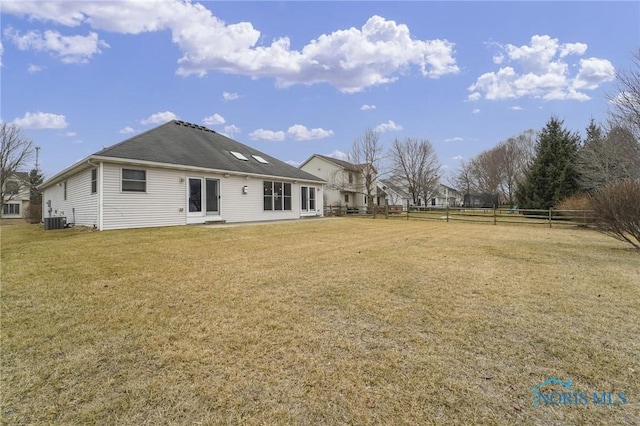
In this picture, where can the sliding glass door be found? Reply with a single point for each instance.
(204, 197)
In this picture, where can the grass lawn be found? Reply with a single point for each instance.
(337, 321)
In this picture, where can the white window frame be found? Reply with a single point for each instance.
(307, 207)
(94, 181)
(5, 209)
(239, 155)
(280, 198)
(122, 180)
(259, 159)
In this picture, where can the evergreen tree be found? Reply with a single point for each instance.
(35, 179)
(553, 175)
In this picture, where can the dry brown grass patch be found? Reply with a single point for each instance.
(345, 321)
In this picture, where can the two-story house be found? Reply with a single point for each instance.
(345, 181)
(16, 194)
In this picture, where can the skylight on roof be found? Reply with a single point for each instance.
(239, 155)
(259, 159)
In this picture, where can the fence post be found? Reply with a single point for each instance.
(447, 212)
(549, 217)
(386, 211)
(495, 219)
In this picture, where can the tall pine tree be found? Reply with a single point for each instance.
(553, 176)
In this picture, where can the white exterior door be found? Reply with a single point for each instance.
(203, 199)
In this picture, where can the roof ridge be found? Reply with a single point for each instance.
(132, 138)
(193, 126)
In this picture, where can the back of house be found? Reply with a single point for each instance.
(177, 174)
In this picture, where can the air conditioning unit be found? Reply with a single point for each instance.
(59, 222)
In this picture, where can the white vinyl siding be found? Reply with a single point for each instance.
(335, 177)
(79, 207)
(239, 207)
(163, 203)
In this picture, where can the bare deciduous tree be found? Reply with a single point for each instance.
(514, 156)
(15, 151)
(617, 210)
(366, 153)
(462, 178)
(605, 159)
(416, 162)
(498, 169)
(486, 171)
(626, 103)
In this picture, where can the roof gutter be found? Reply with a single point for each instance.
(66, 172)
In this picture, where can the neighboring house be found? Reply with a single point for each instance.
(16, 196)
(395, 192)
(446, 197)
(345, 181)
(177, 174)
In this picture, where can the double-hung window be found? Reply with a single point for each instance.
(94, 181)
(11, 209)
(134, 180)
(277, 195)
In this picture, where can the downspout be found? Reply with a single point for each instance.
(99, 191)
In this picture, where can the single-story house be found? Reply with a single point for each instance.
(17, 195)
(177, 174)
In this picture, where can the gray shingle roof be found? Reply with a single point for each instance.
(181, 143)
(344, 164)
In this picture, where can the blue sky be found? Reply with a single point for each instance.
(297, 78)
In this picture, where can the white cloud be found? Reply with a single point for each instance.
(339, 155)
(126, 130)
(475, 111)
(625, 98)
(593, 71)
(540, 70)
(475, 96)
(454, 139)
(572, 49)
(366, 107)
(214, 120)
(232, 130)
(388, 126)
(69, 49)
(70, 134)
(515, 108)
(269, 135)
(350, 59)
(32, 69)
(301, 133)
(41, 120)
(293, 163)
(230, 96)
(457, 157)
(159, 118)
